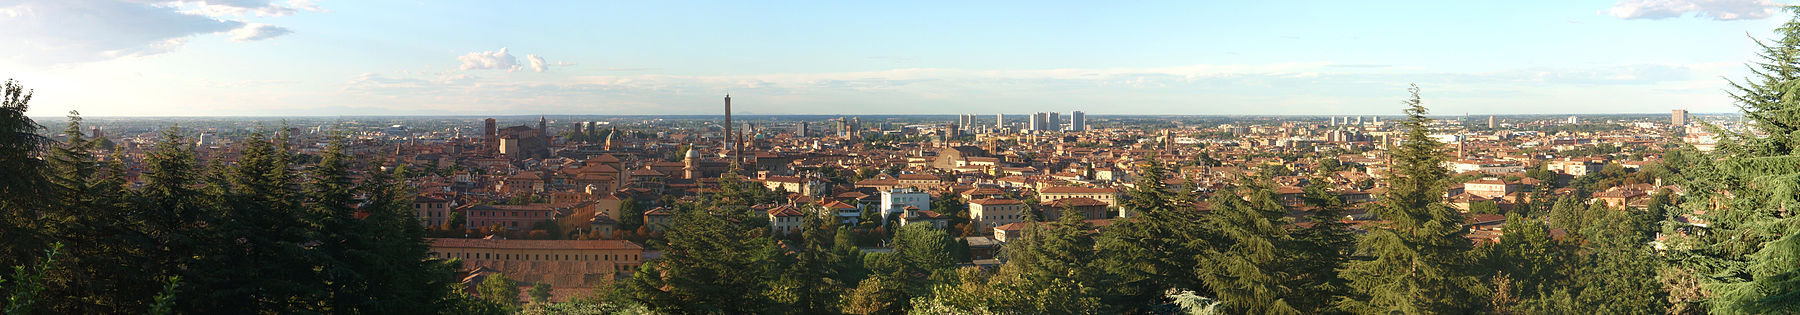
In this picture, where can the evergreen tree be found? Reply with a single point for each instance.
(814, 271)
(342, 246)
(23, 187)
(171, 207)
(258, 261)
(393, 257)
(1531, 262)
(1318, 250)
(100, 274)
(1241, 265)
(1055, 261)
(1747, 253)
(1417, 262)
(1154, 250)
(850, 271)
(709, 265)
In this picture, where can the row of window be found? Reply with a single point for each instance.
(550, 257)
(486, 223)
(514, 213)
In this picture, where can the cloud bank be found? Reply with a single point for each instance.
(1722, 10)
(77, 31)
(503, 60)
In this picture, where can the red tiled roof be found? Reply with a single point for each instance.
(1076, 190)
(917, 176)
(996, 202)
(785, 211)
(1075, 202)
(532, 244)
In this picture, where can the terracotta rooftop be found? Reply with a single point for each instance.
(1076, 190)
(532, 244)
(996, 202)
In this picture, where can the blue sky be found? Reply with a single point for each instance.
(324, 57)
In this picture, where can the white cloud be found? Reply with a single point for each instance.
(1284, 88)
(490, 60)
(257, 31)
(1723, 10)
(537, 63)
(217, 8)
(76, 31)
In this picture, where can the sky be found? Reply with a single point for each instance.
(377, 57)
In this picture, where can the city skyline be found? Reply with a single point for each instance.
(300, 58)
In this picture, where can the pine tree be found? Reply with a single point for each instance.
(24, 185)
(396, 263)
(342, 246)
(709, 265)
(1318, 250)
(1055, 260)
(814, 270)
(1154, 250)
(172, 209)
(1532, 262)
(1242, 265)
(257, 260)
(1417, 260)
(1746, 255)
(100, 274)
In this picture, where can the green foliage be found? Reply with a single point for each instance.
(1746, 256)
(164, 302)
(499, 289)
(813, 277)
(1192, 304)
(1417, 262)
(1532, 263)
(1156, 249)
(26, 283)
(1484, 207)
(709, 265)
(1241, 265)
(1056, 260)
(24, 185)
(540, 293)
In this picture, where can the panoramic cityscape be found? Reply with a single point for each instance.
(270, 157)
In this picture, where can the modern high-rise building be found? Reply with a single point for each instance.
(1493, 123)
(999, 121)
(800, 130)
(1037, 121)
(1053, 122)
(1678, 117)
(1077, 121)
(1573, 120)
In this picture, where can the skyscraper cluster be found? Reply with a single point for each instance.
(966, 122)
(1077, 121)
(1045, 121)
(1036, 122)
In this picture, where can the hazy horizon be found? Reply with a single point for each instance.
(331, 58)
